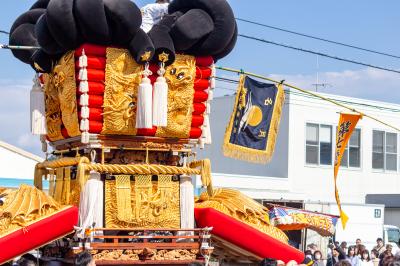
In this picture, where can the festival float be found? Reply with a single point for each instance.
(123, 110)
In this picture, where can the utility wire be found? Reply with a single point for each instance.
(381, 108)
(319, 38)
(319, 53)
(5, 32)
(309, 93)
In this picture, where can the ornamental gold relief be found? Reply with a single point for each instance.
(142, 203)
(180, 77)
(53, 110)
(122, 79)
(64, 83)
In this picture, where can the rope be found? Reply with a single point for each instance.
(309, 93)
(205, 172)
(62, 162)
(140, 169)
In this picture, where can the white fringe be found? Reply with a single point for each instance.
(160, 103)
(144, 104)
(37, 106)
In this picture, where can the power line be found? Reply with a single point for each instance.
(381, 108)
(319, 38)
(333, 101)
(319, 53)
(5, 32)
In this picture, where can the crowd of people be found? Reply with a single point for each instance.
(354, 255)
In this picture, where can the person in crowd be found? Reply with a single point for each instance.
(342, 263)
(360, 249)
(358, 241)
(365, 259)
(375, 257)
(352, 256)
(379, 246)
(337, 254)
(318, 259)
(387, 252)
(308, 257)
(84, 259)
(343, 246)
(386, 257)
(313, 247)
(153, 13)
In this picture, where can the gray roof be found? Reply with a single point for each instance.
(389, 200)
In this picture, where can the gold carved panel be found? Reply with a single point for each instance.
(180, 77)
(142, 202)
(123, 76)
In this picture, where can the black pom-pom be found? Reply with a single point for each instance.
(40, 4)
(91, 19)
(29, 17)
(45, 38)
(62, 25)
(191, 28)
(42, 62)
(141, 47)
(23, 35)
(228, 48)
(124, 19)
(163, 45)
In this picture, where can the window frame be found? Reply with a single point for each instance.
(348, 152)
(384, 170)
(319, 124)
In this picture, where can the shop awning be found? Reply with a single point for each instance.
(286, 218)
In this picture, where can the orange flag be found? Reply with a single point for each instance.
(347, 123)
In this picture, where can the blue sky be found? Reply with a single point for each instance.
(365, 23)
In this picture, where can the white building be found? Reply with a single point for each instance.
(302, 166)
(16, 165)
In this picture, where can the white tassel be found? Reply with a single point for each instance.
(84, 100)
(207, 130)
(84, 125)
(38, 113)
(160, 100)
(91, 209)
(85, 137)
(208, 108)
(83, 75)
(210, 95)
(85, 112)
(84, 86)
(144, 101)
(213, 74)
(83, 61)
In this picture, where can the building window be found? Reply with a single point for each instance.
(318, 144)
(352, 153)
(384, 150)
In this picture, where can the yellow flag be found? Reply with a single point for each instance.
(347, 123)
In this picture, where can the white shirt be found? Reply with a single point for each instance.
(152, 14)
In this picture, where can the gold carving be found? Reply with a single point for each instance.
(163, 57)
(153, 204)
(24, 206)
(240, 207)
(123, 76)
(65, 84)
(146, 56)
(53, 110)
(180, 77)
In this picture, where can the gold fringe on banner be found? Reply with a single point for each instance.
(123, 194)
(248, 154)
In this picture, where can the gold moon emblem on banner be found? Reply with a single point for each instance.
(255, 116)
